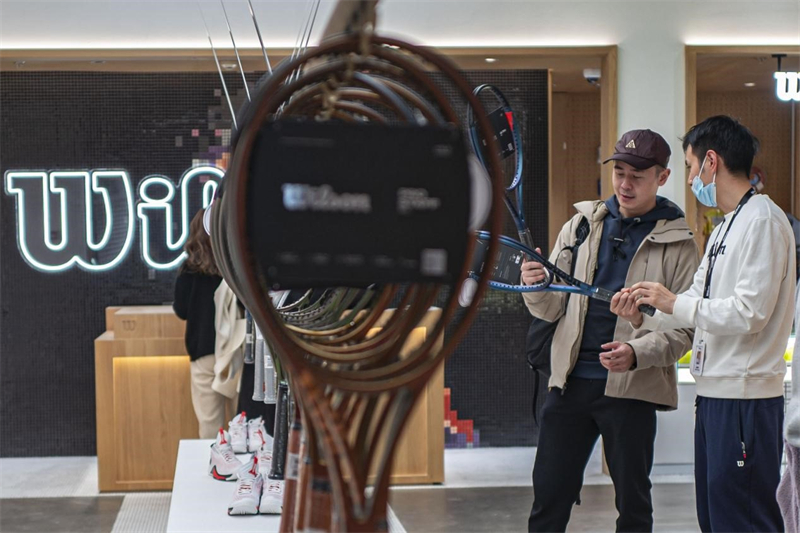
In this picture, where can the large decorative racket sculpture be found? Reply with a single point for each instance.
(350, 172)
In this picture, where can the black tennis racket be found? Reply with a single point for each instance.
(509, 139)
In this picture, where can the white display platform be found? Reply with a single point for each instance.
(200, 502)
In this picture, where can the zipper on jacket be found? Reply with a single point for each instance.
(584, 308)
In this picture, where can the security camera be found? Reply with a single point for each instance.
(592, 75)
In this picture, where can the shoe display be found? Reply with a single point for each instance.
(272, 497)
(247, 497)
(238, 431)
(256, 433)
(223, 464)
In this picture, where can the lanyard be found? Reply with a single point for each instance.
(716, 248)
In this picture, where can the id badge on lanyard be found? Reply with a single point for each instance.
(698, 358)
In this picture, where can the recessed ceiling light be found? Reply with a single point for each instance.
(491, 59)
(749, 84)
(229, 66)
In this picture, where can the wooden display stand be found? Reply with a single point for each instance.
(144, 405)
(419, 456)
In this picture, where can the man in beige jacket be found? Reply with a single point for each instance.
(599, 385)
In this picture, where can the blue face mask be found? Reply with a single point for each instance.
(706, 194)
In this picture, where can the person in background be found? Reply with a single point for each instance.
(741, 305)
(195, 286)
(789, 487)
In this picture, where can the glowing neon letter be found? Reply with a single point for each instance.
(72, 239)
(788, 86)
(156, 213)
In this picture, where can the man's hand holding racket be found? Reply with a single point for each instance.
(533, 272)
(627, 301)
(624, 305)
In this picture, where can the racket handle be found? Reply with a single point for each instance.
(525, 238)
(649, 310)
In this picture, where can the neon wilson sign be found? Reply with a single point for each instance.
(787, 86)
(87, 218)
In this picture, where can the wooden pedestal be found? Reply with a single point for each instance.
(419, 457)
(144, 405)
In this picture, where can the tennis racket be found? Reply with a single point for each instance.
(509, 138)
(506, 273)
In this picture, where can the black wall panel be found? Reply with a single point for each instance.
(143, 123)
(490, 382)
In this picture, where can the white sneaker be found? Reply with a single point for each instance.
(223, 464)
(247, 497)
(254, 439)
(272, 497)
(238, 430)
(265, 458)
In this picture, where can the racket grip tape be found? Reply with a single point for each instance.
(649, 310)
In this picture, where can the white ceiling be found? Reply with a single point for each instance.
(35, 24)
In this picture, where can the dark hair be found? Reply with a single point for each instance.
(199, 255)
(734, 142)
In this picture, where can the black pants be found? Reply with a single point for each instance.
(737, 463)
(571, 424)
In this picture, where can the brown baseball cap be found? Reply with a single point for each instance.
(642, 149)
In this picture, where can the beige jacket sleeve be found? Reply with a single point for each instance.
(549, 305)
(230, 328)
(664, 348)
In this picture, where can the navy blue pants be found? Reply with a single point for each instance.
(571, 424)
(737, 463)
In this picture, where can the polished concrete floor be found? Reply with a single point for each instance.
(39, 515)
(506, 509)
(485, 490)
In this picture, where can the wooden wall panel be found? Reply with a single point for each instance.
(771, 121)
(796, 204)
(575, 149)
(608, 115)
(559, 193)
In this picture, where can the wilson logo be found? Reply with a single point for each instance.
(304, 197)
(86, 218)
(787, 85)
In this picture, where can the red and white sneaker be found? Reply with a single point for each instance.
(265, 457)
(272, 497)
(255, 439)
(223, 464)
(247, 497)
(238, 430)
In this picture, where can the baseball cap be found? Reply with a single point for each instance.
(642, 149)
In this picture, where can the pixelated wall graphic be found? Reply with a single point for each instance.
(458, 433)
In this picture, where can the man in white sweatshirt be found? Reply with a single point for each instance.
(741, 306)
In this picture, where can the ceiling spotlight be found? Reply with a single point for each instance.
(749, 84)
(228, 66)
(491, 59)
